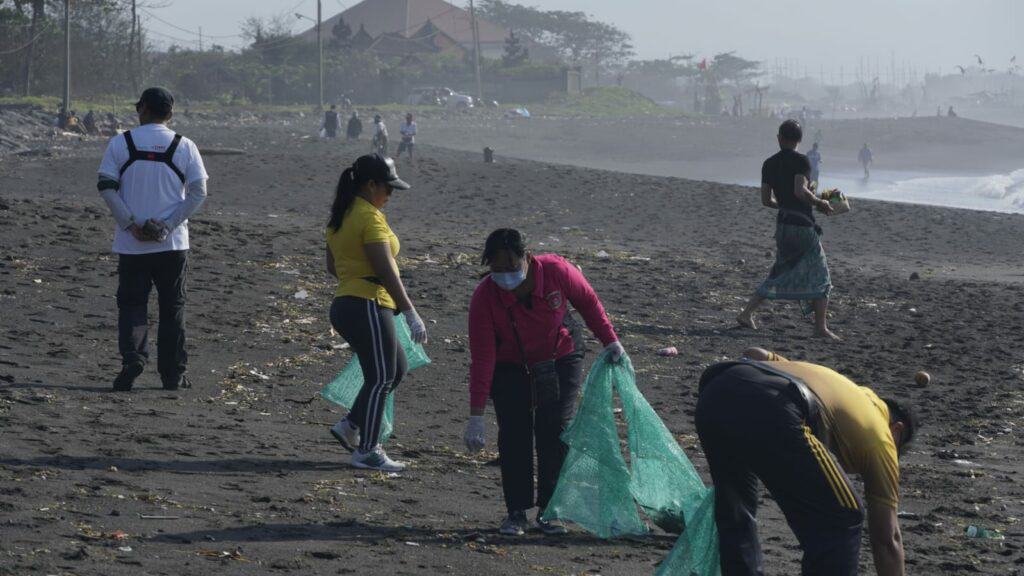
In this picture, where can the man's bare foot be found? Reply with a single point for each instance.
(747, 321)
(826, 334)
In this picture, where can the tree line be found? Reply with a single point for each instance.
(113, 54)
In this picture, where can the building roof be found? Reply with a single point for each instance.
(407, 17)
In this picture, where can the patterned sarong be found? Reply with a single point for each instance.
(800, 271)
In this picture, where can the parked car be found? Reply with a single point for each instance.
(424, 96)
(457, 101)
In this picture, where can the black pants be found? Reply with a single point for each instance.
(370, 330)
(137, 274)
(519, 427)
(751, 429)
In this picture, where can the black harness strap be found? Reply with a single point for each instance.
(166, 157)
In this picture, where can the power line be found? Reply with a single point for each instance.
(186, 30)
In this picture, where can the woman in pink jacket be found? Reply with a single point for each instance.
(527, 356)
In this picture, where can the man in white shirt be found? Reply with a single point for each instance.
(408, 130)
(152, 180)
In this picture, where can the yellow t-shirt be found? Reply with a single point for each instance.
(363, 224)
(857, 421)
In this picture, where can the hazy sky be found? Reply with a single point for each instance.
(931, 34)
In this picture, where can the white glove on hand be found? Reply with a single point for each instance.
(417, 329)
(474, 436)
(615, 352)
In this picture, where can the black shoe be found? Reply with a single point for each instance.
(129, 372)
(516, 524)
(551, 527)
(179, 383)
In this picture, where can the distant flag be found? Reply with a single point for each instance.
(980, 62)
(703, 64)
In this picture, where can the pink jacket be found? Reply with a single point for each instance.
(491, 339)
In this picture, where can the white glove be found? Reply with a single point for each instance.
(474, 436)
(417, 329)
(615, 352)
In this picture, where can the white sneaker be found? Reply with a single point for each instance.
(346, 434)
(376, 459)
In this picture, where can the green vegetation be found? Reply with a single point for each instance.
(605, 102)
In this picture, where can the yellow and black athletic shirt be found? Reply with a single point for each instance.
(363, 224)
(857, 422)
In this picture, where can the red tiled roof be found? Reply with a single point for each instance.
(406, 17)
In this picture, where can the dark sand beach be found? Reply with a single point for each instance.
(239, 474)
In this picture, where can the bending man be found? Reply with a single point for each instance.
(800, 428)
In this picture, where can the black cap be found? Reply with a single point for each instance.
(158, 100)
(380, 169)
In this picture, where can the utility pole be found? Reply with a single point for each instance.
(138, 48)
(200, 38)
(476, 51)
(67, 56)
(320, 48)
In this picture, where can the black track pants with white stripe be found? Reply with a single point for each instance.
(751, 429)
(370, 330)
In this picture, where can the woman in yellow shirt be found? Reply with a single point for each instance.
(361, 251)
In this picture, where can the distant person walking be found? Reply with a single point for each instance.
(527, 356)
(152, 180)
(380, 136)
(800, 271)
(361, 253)
(355, 126)
(865, 158)
(408, 130)
(814, 157)
(331, 123)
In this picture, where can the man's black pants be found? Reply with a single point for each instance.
(137, 274)
(519, 428)
(751, 428)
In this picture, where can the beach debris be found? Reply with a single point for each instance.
(221, 152)
(908, 515)
(922, 378)
(602, 254)
(124, 549)
(915, 276)
(410, 543)
(158, 517)
(235, 554)
(973, 531)
(301, 295)
(668, 351)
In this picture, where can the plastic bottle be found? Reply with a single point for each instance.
(977, 532)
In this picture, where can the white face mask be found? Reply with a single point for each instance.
(509, 280)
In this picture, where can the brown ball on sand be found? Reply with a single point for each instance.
(922, 378)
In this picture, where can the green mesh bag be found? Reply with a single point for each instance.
(664, 482)
(597, 491)
(347, 384)
(696, 551)
(593, 487)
